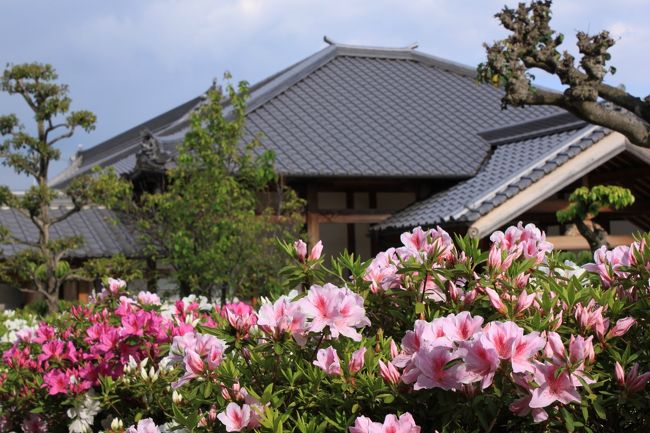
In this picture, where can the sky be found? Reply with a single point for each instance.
(128, 61)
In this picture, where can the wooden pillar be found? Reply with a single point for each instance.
(84, 288)
(313, 230)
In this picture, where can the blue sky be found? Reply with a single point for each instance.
(130, 60)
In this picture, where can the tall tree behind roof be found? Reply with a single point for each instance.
(217, 220)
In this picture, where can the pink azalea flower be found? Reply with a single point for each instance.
(235, 417)
(495, 257)
(524, 301)
(44, 333)
(382, 272)
(403, 424)
(529, 241)
(144, 426)
(357, 360)
(392, 424)
(581, 349)
(503, 336)
(481, 362)
(365, 425)
(328, 361)
(241, 322)
(148, 298)
(524, 349)
(337, 308)
(554, 348)
(462, 326)
(591, 317)
(283, 316)
(115, 285)
(552, 387)
(521, 407)
(431, 363)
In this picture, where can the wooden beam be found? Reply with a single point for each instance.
(620, 175)
(342, 218)
(369, 212)
(552, 206)
(576, 243)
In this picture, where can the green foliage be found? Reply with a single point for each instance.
(118, 266)
(588, 202)
(40, 266)
(217, 221)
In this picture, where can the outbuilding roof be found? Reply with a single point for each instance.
(103, 234)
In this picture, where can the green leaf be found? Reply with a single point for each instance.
(207, 391)
(568, 420)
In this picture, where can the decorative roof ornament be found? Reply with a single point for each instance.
(330, 41)
(152, 156)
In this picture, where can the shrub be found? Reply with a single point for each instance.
(432, 335)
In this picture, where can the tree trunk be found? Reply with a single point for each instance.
(595, 235)
(183, 288)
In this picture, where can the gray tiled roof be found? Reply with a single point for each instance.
(512, 167)
(356, 111)
(103, 235)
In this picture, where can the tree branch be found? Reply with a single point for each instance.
(65, 216)
(62, 137)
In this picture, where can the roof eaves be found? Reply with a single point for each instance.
(539, 164)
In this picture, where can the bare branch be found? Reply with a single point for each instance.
(62, 137)
(66, 215)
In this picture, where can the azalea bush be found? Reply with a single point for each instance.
(433, 335)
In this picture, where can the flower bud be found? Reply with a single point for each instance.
(621, 327)
(357, 360)
(117, 424)
(389, 373)
(394, 351)
(212, 414)
(301, 250)
(153, 374)
(316, 251)
(177, 397)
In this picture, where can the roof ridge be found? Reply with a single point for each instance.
(532, 129)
